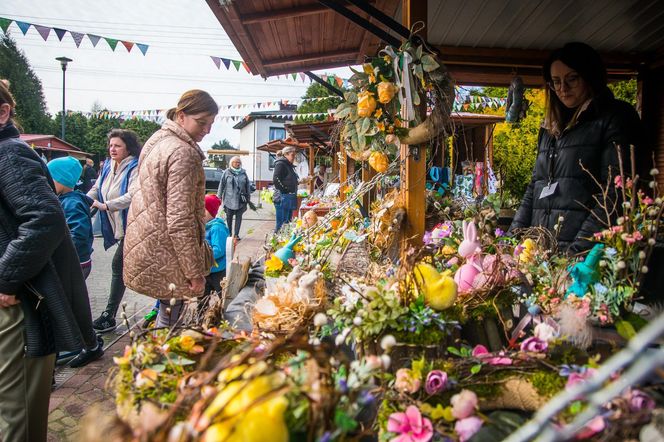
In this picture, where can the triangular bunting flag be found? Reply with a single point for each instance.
(142, 47)
(331, 80)
(302, 76)
(60, 33)
(77, 36)
(246, 67)
(112, 42)
(94, 39)
(294, 76)
(226, 63)
(217, 61)
(23, 26)
(128, 45)
(237, 64)
(340, 81)
(44, 31)
(4, 24)
(324, 77)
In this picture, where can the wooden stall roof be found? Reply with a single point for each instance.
(284, 36)
(483, 42)
(276, 145)
(469, 119)
(55, 144)
(317, 133)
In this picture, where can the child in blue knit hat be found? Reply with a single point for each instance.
(65, 172)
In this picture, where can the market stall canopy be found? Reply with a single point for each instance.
(227, 152)
(50, 143)
(482, 42)
(318, 134)
(275, 146)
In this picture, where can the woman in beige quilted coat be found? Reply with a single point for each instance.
(166, 255)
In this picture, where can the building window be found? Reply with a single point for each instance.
(276, 133)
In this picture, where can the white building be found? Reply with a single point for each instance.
(256, 129)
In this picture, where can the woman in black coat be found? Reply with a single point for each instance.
(44, 305)
(583, 123)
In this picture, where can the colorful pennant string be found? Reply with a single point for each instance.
(45, 32)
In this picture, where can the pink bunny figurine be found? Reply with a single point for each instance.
(470, 249)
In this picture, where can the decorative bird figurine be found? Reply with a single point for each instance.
(586, 272)
(286, 252)
(439, 289)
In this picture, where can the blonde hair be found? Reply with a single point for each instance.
(194, 102)
(288, 149)
(7, 97)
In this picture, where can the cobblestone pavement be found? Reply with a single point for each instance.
(78, 390)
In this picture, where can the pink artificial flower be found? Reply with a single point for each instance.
(463, 404)
(639, 401)
(637, 236)
(628, 183)
(466, 428)
(579, 378)
(406, 381)
(598, 235)
(618, 181)
(410, 426)
(647, 201)
(481, 352)
(593, 427)
(426, 239)
(616, 229)
(436, 382)
(630, 239)
(534, 345)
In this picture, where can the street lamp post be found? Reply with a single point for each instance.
(63, 62)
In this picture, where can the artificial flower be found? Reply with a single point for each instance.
(481, 352)
(378, 114)
(534, 345)
(273, 264)
(386, 91)
(579, 377)
(528, 252)
(407, 381)
(463, 404)
(391, 139)
(436, 382)
(593, 427)
(367, 68)
(545, 332)
(618, 181)
(366, 104)
(466, 428)
(639, 401)
(438, 413)
(410, 426)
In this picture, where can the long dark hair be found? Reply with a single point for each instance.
(130, 139)
(588, 64)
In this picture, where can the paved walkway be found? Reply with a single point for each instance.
(77, 390)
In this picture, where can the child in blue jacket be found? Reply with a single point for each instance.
(65, 172)
(216, 233)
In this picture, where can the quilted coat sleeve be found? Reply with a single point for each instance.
(182, 196)
(37, 212)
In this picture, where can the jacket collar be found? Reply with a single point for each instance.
(9, 131)
(183, 135)
(122, 165)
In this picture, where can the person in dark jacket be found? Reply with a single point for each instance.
(44, 306)
(234, 192)
(285, 183)
(583, 123)
(88, 176)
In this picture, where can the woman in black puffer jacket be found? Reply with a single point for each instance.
(44, 305)
(583, 123)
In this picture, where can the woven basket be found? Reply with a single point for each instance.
(515, 394)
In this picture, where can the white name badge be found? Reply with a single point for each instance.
(548, 190)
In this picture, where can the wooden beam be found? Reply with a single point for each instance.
(280, 14)
(343, 53)
(413, 175)
(297, 67)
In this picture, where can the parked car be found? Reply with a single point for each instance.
(212, 179)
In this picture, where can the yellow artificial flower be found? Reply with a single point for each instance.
(438, 413)
(448, 250)
(387, 59)
(273, 264)
(529, 250)
(368, 68)
(397, 122)
(372, 78)
(386, 91)
(187, 343)
(366, 104)
(381, 126)
(378, 113)
(379, 161)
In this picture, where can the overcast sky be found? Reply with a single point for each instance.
(181, 34)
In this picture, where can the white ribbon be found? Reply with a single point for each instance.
(403, 81)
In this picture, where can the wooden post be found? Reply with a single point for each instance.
(368, 173)
(413, 175)
(343, 170)
(312, 163)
